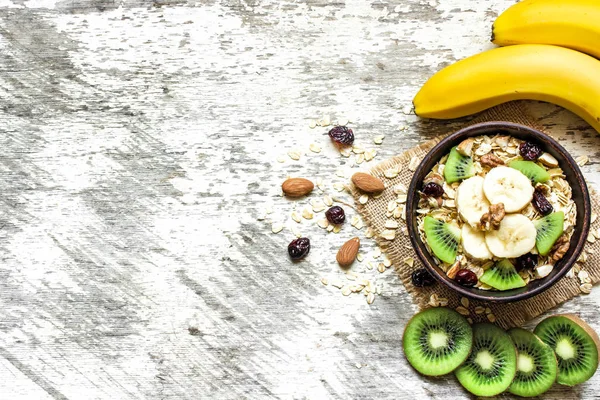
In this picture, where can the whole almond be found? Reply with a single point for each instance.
(297, 187)
(367, 183)
(347, 253)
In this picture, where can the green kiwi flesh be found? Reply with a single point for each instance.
(442, 238)
(575, 344)
(537, 367)
(531, 170)
(458, 167)
(492, 365)
(549, 229)
(436, 341)
(502, 276)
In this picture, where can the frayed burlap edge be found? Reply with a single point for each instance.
(400, 250)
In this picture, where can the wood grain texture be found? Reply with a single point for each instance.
(139, 144)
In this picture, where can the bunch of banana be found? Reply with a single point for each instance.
(538, 71)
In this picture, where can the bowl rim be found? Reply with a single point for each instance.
(481, 129)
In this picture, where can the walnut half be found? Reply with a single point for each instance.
(490, 160)
(492, 219)
(560, 248)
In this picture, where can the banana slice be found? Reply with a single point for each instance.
(473, 243)
(515, 237)
(470, 200)
(508, 186)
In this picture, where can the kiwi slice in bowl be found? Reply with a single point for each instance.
(443, 238)
(492, 365)
(537, 367)
(458, 167)
(575, 344)
(436, 341)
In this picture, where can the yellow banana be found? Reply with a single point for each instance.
(553, 74)
(567, 23)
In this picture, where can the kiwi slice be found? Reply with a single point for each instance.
(458, 167)
(436, 341)
(531, 170)
(536, 364)
(502, 276)
(442, 238)
(575, 344)
(549, 229)
(492, 365)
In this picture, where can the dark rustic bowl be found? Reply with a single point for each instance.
(573, 176)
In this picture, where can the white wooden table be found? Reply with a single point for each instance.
(139, 147)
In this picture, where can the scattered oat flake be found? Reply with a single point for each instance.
(324, 281)
(326, 120)
(307, 214)
(443, 301)
(391, 206)
(360, 159)
(402, 128)
(370, 154)
(376, 253)
(296, 232)
(346, 291)
(296, 217)
(281, 159)
(360, 257)
(593, 218)
(391, 224)
(320, 184)
(388, 234)
(378, 139)
(433, 300)
(407, 109)
(582, 160)
(315, 148)
(586, 288)
(369, 233)
(312, 124)
(465, 302)
(387, 263)
(276, 227)
(328, 200)
(339, 186)
(370, 298)
(346, 151)
(357, 150)
(479, 310)
(409, 261)
(294, 154)
(363, 199)
(351, 276)
(414, 163)
(591, 238)
(342, 120)
(491, 318)
(317, 205)
(488, 310)
(330, 228)
(323, 223)
(336, 229)
(401, 199)
(462, 310)
(390, 173)
(370, 265)
(337, 284)
(381, 268)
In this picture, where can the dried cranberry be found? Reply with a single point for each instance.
(335, 215)
(422, 277)
(342, 135)
(432, 189)
(530, 151)
(466, 277)
(299, 248)
(541, 203)
(527, 261)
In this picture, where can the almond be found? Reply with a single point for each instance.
(347, 253)
(466, 147)
(297, 187)
(367, 183)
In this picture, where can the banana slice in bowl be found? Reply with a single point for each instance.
(515, 237)
(508, 186)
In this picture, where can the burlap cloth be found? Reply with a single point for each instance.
(399, 249)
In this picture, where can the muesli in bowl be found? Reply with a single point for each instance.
(496, 212)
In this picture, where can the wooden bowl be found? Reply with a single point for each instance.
(573, 175)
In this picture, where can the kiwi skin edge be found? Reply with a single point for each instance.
(588, 329)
